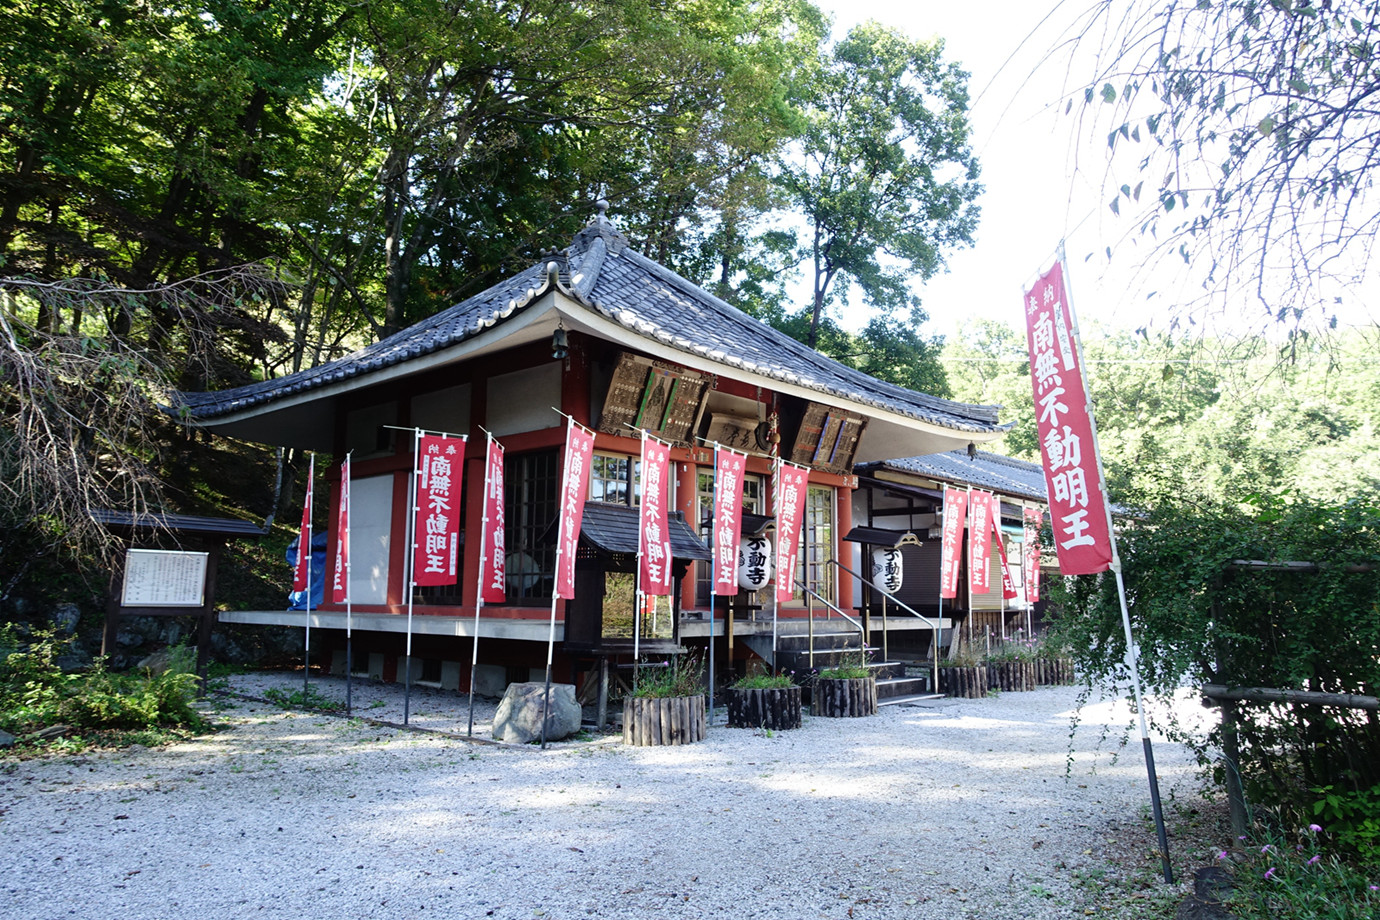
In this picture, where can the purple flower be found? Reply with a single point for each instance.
(1221, 854)
(1270, 872)
(1266, 848)
(1315, 828)
(1315, 859)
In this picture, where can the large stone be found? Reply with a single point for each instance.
(158, 662)
(6, 739)
(65, 618)
(518, 719)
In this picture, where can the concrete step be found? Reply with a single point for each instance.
(890, 687)
(916, 698)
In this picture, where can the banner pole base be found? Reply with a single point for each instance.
(1158, 812)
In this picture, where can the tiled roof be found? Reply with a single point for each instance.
(599, 271)
(1005, 475)
(614, 529)
(176, 523)
(447, 328)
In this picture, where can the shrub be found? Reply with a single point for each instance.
(1201, 616)
(683, 676)
(35, 693)
(1352, 819)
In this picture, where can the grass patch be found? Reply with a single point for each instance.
(306, 698)
(1294, 876)
(764, 682)
(683, 676)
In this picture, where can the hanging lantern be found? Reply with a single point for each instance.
(754, 563)
(887, 568)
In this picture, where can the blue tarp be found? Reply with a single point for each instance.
(297, 600)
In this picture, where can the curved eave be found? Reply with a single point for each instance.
(307, 419)
(889, 433)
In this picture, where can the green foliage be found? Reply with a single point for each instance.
(848, 669)
(764, 682)
(308, 698)
(1201, 416)
(35, 693)
(1293, 877)
(683, 675)
(1246, 132)
(1352, 818)
(1200, 617)
(844, 672)
(884, 174)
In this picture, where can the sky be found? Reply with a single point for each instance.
(1046, 178)
(1035, 196)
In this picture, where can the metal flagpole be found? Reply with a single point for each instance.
(411, 568)
(713, 573)
(349, 595)
(1025, 577)
(640, 598)
(555, 589)
(1000, 549)
(939, 620)
(972, 611)
(775, 599)
(483, 571)
(1132, 653)
(306, 642)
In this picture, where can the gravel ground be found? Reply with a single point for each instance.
(951, 808)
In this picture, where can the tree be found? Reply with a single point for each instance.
(80, 424)
(883, 174)
(1252, 136)
(1200, 617)
(987, 363)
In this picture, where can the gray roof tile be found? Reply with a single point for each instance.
(1005, 475)
(645, 298)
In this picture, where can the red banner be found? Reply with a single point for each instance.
(1077, 502)
(955, 516)
(654, 537)
(1034, 517)
(340, 581)
(436, 533)
(494, 590)
(791, 485)
(302, 573)
(980, 542)
(729, 469)
(579, 449)
(1008, 586)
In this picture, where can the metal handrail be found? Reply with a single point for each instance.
(936, 623)
(893, 598)
(810, 619)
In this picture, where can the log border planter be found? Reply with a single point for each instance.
(663, 720)
(974, 682)
(774, 708)
(842, 697)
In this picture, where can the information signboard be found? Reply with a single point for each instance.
(164, 578)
